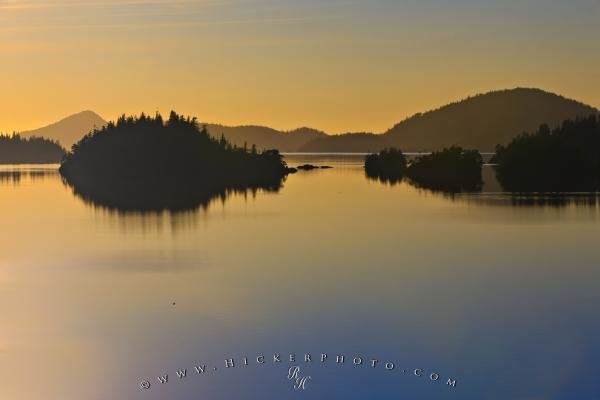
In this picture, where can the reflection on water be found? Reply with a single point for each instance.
(15, 173)
(178, 197)
(587, 200)
(339, 160)
(501, 298)
(491, 194)
(187, 203)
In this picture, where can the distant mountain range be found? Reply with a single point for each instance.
(70, 129)
(266, 138)
(479, 122)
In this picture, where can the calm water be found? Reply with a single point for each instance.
(500, 294)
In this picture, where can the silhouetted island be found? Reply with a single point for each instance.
(389, 165)
(310, 167)
(566, 159)
(453, 169)
(15, 149)
(145, 163)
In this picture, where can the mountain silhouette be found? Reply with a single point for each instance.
(266, 138)
(362, 142)
(483, 121)
(70, 129)
(479, 122)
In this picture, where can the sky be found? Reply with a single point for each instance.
(335, 65)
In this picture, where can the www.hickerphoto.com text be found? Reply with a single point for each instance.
(294, 359)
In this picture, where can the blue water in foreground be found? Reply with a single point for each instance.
(496, 294)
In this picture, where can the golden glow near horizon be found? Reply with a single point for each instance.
(336, 65)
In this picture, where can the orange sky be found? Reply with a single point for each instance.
(337, 65)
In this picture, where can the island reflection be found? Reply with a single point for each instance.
(193, 200)
(16, 175)
(493, 194)
(556, 200)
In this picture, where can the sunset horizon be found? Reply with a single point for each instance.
(284, 129)
(299, 199)
(337, 66)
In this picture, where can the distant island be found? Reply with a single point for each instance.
(453, 169)
(310, 167)
(145, 163)
(477, 122)
(389, 165)
(15, 149)
(565, 159)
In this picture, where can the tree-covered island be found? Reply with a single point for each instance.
(145, 163)
(453, 169)
(389, 165)
(565, 159)
(15, 149)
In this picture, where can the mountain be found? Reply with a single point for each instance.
(347, 143)
(483, 121)
(479, 122)
(264, 137)
(70, 129)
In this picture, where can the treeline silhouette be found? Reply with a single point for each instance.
(145, 163)
(15, 149)
(566, 159)
(452, 169)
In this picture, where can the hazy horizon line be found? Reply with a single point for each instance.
(298, 126)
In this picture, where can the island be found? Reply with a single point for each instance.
(452, 169)
(145, 163)
(15, 149)
(389, 165)
(310, 167)
(565, 159)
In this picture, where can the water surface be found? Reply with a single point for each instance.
(499, 294)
